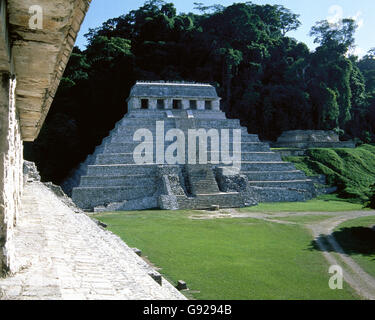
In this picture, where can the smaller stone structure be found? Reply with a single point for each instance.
(305, 139)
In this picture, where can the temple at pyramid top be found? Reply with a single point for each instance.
(173, 96)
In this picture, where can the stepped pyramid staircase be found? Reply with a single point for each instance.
(111, 180)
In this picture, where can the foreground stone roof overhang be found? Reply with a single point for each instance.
(38, 57)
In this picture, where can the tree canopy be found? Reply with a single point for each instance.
(269, 81)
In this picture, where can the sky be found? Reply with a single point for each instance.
(310, 11)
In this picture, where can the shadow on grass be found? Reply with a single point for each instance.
(354, 240)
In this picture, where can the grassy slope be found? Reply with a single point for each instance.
(229, 258)
(359, 242)
(352, 170)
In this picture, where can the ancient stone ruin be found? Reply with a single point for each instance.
(305, 139)
(147, 160)
(36, 40)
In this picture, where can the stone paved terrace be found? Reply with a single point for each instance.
(63, 254)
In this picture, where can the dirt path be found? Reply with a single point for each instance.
(354, 275)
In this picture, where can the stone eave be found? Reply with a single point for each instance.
(5, 56)
(40, 56)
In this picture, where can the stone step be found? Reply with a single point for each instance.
(145, 122)
(297, 184)
(127, 158)
(128, 136)
(131, 128)
(260, 156)
(204, 186)
(205, 201)
(114, 158)
(121, 170)
(247, 156)
(267, 166)
(274, 175)
(245, 137)
(201, 179)
(255, 147)
(118, 181)
(150, 169)
(128, 147)
(89, 197)
(282, 194)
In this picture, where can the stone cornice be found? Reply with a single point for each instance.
(4, 39)
(41, 55)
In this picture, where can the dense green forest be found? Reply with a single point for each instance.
(269, 81)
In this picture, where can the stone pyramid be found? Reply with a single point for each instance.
(114, 179)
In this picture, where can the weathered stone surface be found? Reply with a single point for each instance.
(30, 172)
(11, 169)
(168, 202)
(40, 55)
(32, 62)
(62, 254)
(171, 180)
(230, 180)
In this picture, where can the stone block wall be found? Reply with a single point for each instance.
(11, 172)
(306, 139)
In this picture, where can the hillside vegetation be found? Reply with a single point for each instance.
(351, 170)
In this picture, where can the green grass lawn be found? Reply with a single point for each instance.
(357, 238)
(326, 203)
(228, 258)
